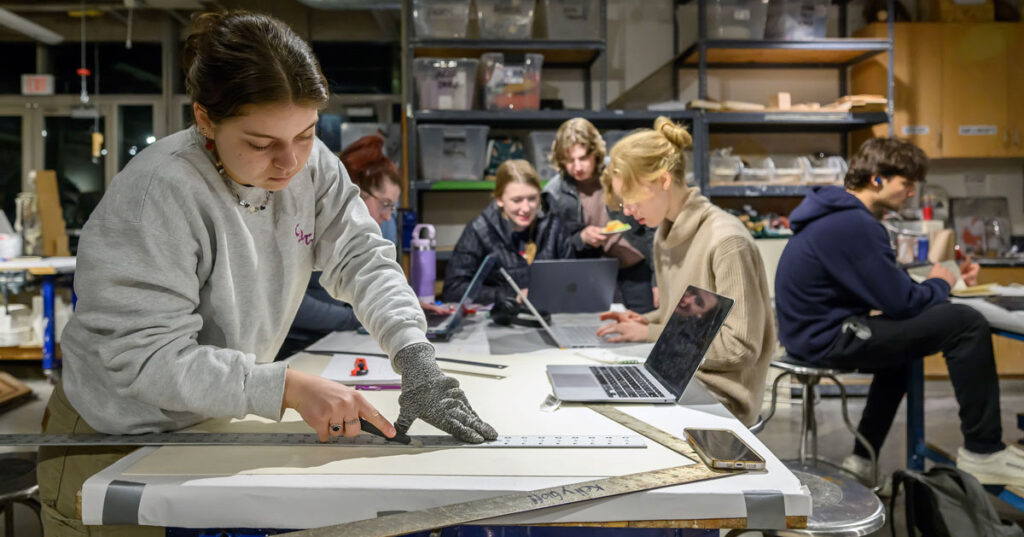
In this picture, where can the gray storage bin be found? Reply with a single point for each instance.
(440, 18)
(452, 152)
(538, 148)
(505, 19)
(445, 83)
(572, 19)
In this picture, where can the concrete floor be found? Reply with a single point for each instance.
(780, 434)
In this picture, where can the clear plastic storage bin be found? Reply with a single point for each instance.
(724, 166)
(512, 84)
(797, 19)
(452, 152)
(758, 169)
(790, 170)
(537, 149)
(445, 84)
(572, 19)
(440, 18)
(827, 170)
(505, 19)
(736, 19)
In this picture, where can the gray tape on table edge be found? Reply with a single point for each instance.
(121, 502)
(766, 509)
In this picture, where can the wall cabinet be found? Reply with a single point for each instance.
(958, 87)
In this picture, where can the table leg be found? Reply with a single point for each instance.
(915, 416)
(51, 365)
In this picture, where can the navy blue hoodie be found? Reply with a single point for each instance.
(839, 264)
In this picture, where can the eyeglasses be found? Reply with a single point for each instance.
(386, 205)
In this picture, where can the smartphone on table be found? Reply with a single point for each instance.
(722, 448)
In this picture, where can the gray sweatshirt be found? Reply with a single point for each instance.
(184, 296)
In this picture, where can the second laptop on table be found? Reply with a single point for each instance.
(669, 367)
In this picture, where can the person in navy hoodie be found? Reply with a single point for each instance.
(839, 267)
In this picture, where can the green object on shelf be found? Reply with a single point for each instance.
(457, 185)
(461, 185)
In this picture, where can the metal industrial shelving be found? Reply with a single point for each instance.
(588, 56)
(839, 54)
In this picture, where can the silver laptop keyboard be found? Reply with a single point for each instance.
(578, 336)
(624, 382)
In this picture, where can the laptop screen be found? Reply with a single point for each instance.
(474, 286)
(687, 336)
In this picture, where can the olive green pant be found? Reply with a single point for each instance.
(62, 471)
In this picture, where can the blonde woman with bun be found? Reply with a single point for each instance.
(697, 244)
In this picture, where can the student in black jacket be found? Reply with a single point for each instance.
(577, 198)
(515, 228)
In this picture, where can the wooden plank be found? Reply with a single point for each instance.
(11, 388)
(1001, 275)
(51, 216)
(768, 55)
(25, 352)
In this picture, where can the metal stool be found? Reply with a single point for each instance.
(18, 485)
(810, 376)
(841, 507)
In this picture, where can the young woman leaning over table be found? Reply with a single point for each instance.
(517, 228)
(696, 244)
(195, 261)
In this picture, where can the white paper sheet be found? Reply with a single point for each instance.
(379, 370)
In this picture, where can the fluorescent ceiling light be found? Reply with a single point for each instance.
(29, 28)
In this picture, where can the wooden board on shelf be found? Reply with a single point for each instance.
(780, 56)
(25, 352)
(11, 389)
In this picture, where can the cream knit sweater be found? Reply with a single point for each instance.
(711, 249)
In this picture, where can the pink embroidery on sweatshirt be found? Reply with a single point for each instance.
(306, 238)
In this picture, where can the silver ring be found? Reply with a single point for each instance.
(336, 427)
(351, 422)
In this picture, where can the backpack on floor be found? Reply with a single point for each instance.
(946, 502)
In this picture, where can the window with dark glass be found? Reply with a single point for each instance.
(19, 59)
(136, 131)
(10, 155)
(359, 67)
(80, 176)
(121, 70)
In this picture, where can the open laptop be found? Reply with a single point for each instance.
(440, 326)
(573, 285)
(566, 337)
(669, 367)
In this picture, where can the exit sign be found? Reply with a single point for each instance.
(37, 84)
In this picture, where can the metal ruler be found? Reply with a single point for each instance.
(519, 502)
(283, 439)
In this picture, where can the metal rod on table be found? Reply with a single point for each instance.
(522, 295)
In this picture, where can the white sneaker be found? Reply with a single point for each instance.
(1004, 467)
(861, 468)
